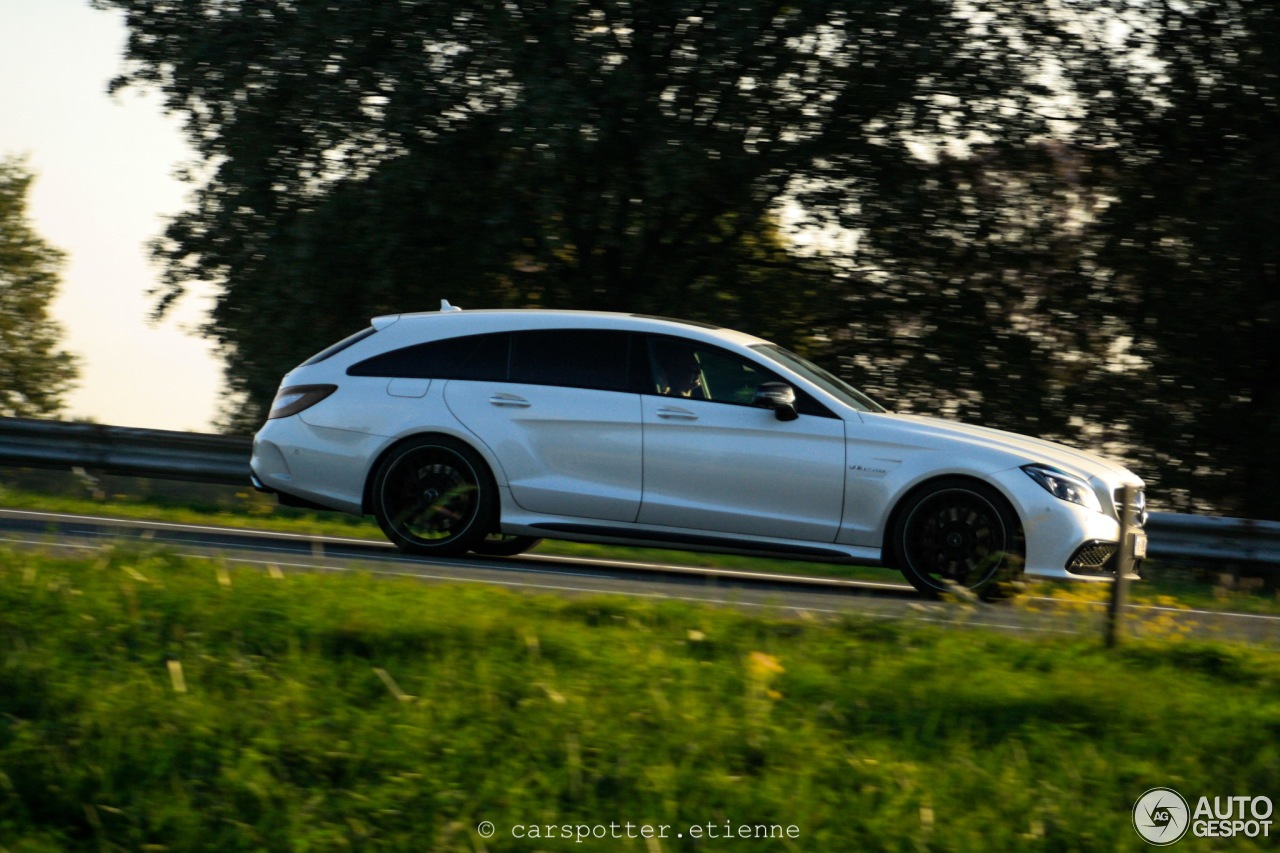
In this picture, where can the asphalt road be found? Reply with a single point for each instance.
(774, 593)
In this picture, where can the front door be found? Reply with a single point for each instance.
(714, 462)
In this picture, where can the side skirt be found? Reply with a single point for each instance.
(693, 541)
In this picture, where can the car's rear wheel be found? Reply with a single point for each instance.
(434, 496)
(959, 533)
(504, 545)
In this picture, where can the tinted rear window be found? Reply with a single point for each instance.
(481, 357)
(575, 358)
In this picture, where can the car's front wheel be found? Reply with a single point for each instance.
(434, 496)
(958, 533)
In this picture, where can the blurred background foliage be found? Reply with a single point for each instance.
(35, 374)
(1057, 218)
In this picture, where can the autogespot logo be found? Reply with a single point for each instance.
(1161, 816)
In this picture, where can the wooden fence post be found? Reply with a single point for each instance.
(1124, 567)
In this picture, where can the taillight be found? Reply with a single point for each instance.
(297, 398)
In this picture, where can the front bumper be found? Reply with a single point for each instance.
(1065, 541)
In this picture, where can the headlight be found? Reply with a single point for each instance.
(1064, 486)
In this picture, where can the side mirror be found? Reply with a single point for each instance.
(778, 396)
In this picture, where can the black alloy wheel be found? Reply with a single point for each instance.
(958, 533)
(434, 496)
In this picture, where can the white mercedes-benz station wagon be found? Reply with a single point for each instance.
(485, 431)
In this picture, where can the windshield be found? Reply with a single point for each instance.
(832, 384)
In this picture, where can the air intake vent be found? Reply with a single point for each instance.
(1094, 558)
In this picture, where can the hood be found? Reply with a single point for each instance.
(1020, 449)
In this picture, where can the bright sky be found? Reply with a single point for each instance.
(104, 183)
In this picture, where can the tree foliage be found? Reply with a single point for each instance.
(34, 372)
(1194, 236)
(1063, 212)
(369, 157)
(981, 298)
(1115, 284)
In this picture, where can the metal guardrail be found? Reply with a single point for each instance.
(1212, 539)
(168, 455)
(225, 459)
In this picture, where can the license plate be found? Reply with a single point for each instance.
(1140, 546)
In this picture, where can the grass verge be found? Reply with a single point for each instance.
(154, 702)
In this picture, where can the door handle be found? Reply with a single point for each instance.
(510, 400)
(677, 414)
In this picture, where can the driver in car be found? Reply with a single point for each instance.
(679, 374)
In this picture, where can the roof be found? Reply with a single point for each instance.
(502, 319)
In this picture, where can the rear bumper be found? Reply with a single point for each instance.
(258, 485)
(330, 465)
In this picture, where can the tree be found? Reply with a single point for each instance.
(1193, 235)
(1064, 212)
(370, 157)
(985, 300)
(1115, 287)
(34, 373)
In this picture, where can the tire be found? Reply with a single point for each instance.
(959, 533)
(434, 496)
(502, 545)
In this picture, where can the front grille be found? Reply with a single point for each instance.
(1139, 505)
(1093, 558)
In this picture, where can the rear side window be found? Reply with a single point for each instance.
(573, 358)
(480, 357)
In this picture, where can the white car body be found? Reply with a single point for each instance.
(639, 467)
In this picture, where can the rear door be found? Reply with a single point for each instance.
(565, 424)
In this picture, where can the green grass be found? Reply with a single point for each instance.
(153, 702)
(222, 506)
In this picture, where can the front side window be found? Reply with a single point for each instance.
(832, 384)
(698, 372)
(695, 371)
